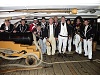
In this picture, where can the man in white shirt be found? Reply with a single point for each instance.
(63, 35)
(51, 38)
(87, 39)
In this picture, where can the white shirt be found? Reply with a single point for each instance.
(43, 24)
(63, 30)
(6, 28)
(86, 29)
(51, 29)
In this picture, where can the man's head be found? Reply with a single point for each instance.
(35, 20)
(38, 27)
(68, 21)
(51, 20)
(43, 19)
(23, 21)
(55, 19)
(7, 22)
(78, 21)
(86, 22)
(63, 20)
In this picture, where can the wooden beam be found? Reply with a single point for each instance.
(44, 10)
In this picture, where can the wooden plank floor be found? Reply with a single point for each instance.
(80, 68)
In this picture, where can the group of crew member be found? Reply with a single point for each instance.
(57, 35)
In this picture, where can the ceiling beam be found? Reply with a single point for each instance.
(45, 10)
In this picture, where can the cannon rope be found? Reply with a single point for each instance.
(30, 67)
(62, 62)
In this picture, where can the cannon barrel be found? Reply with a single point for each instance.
(20, 38)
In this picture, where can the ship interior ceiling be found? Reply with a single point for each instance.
(29, 57)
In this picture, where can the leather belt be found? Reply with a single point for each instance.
(63, 36)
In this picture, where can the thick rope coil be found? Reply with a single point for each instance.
(19, 65)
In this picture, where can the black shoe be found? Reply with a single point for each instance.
(80, 54)
(65, 55)
(56, 51)
(59, 55)
(85, 55)
(44, 54)
(75, 53)
(91, 60)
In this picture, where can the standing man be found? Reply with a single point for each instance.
(51, 38)
(44, 35)
(64, 33)
(7, 27)
(87, 39)
(78, 26)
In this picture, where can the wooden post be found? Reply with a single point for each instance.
(94, 45)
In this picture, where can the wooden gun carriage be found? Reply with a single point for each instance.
(21, 45)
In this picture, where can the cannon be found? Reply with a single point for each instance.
(15, 46)
(21, 38)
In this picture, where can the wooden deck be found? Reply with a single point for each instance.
(80, 68)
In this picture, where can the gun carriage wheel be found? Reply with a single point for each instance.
(31, 60)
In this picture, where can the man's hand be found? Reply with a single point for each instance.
(69, 37)
(90, 39)
(81, 39)
(14, 31)
(38, 33)
(28, 31)
(47, 39)
(1, 30)
(34, 32)
(56, 38)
